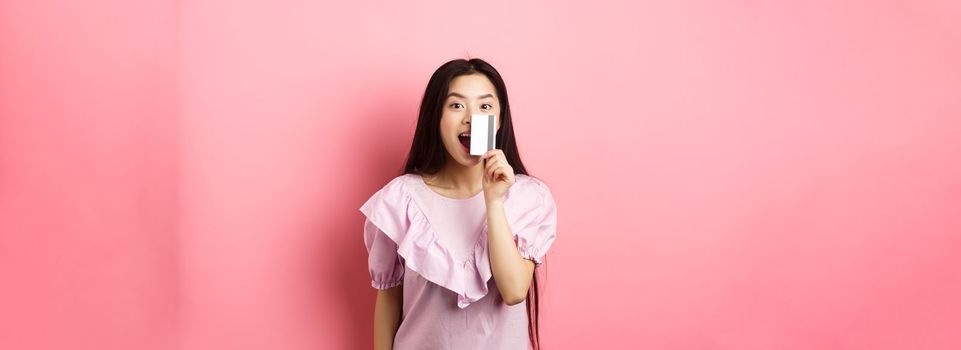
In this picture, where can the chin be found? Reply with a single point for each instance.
(461, 155)
(467, 160)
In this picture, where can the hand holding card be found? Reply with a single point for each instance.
(482, 133)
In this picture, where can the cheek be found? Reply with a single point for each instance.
(448, 124)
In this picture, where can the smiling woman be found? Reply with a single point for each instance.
(478, 88)
(435, 243)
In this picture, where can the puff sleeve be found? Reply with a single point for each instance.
(385, 264)
(535, 236)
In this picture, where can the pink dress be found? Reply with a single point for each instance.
(437, 248)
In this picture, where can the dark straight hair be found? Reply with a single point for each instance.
(427, 153)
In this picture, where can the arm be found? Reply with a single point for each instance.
(387, 313)
(512, 273)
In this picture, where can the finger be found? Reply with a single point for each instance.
(494, 171)
(501, 172)
(505, 174)
(495, 157)
(493, 164)
(489, 170)
(498, 153)
(508, 173)
(493, 153)
(488, 163)
(493, 175)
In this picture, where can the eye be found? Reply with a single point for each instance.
(456, 105)
(486, 106)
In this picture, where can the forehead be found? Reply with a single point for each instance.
(472, 85)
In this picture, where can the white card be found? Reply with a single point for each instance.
(482, 131)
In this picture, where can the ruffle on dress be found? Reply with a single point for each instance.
(397, 232)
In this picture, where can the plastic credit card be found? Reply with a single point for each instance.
(482, 131)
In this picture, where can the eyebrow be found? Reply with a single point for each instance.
(454, 94)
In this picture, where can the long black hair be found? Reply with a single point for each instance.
(428, 155)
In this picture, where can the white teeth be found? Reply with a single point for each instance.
(465, 134)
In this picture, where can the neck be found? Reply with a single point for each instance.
(459, 178)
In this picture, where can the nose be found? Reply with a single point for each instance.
(473, 109)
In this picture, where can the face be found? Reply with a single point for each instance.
(467, 94)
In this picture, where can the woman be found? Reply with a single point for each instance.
(453, 242)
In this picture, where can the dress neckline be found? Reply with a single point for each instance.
(434, 193)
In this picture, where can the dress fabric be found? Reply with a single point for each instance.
(436, 247)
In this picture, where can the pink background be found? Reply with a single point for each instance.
(729, 175)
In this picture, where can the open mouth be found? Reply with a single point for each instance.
(465, 140)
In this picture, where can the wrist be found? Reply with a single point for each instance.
(494, 202)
